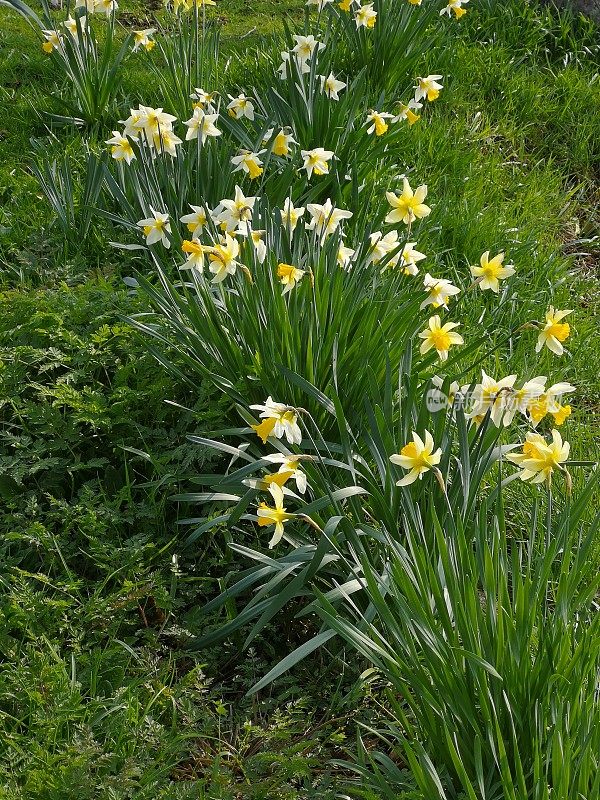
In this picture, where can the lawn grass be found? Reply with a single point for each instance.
(98, 696)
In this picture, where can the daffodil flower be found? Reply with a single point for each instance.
(276, 515)
(121, 149)
(494, 396)
(539, 459)
(408, 206)
(439, 337)
(381, 246)
(548, 402)
(201, 125)
(156, 228)
(222, 258)
(279, 420)
(258, 242)
(108, 6)
(303, 67)
(203, 99)
(142, 39)
(281, 142)
(519, 400)
(345, 5)
(406, 111)
(409, 257)
(455, 6)
(344, 255)
(250, 163)
(196, 221)
(240, 107)
(331, 87)
(554, 332)
(287, 471)
(428, 88)
(439, 291)
(52, 41)
(195, 254)
(491, 272)
(89, 5)
(289, 276)
(290, 215)
(305, 47)
(165, 141)
(365, 16)
(71, 25)
(235, 214)
(415, 2)
(325, 218)
(316, 161)
(418, 457)
(377, 122)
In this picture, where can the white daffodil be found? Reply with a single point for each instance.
(235, 214)
(428, 88)
(325, 218)
(156, 228)
(121, 149)
(196, 221)
(201, 125)
(331, 86)
(290, 215)
(279, 420)
(222, 258)
(250, 163)
(439, 291)
(408, 206)
(240, 107)
(409, 258)
(142, 39)
(316, 161)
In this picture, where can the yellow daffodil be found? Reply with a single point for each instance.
(289, 276)
(408, 206)
(316, 161)
(377, 122)
(417, 456)
(519, 400)
(455, 6)
(415, 2)
(240, 107)
(201, 125)
(250, 163)
(554, 332)
(365, 16)
(539, 459)
(196, 221)
(428, 87)
(439, 337)
(491, 272)
(142, 39)
(121, 148)
(345, 5)
(222, 258)
(276, 516)
(290, 215)
(279, 420)
(439, 291)
(156, 228)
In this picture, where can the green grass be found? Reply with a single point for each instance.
(99, 697)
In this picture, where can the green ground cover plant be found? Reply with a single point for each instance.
(437, 640)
